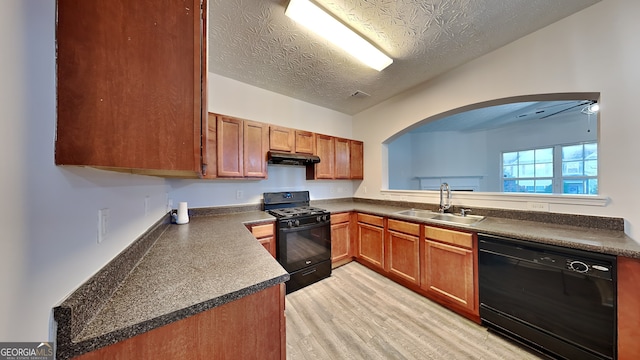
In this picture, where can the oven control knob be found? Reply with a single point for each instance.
(296, 222)
(578, 266)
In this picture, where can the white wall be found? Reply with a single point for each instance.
(49, 214)
(594, 50)
(234, 98)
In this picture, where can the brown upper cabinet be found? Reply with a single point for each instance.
(290, 140)
(130, 86)
(242, 147)
(342, 159)
(339, 159)
(325, 149)
(356, 154)
(256, 146)
(305, 142)
(281, 139)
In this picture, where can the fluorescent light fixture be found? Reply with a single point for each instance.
(315, 19)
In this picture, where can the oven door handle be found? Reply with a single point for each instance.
(304, 227)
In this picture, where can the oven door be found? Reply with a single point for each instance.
(304, 246)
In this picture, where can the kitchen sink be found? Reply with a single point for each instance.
(425, 214)
(458, 219)
(443, 217)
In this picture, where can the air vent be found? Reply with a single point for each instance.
(360, 94)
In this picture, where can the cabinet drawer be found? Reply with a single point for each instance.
(260, 231)
(449, 236)
(404, 227)
(371, 219)
(339, 218)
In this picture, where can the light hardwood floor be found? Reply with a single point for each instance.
(359, 314)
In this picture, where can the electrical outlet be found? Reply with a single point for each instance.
(146, 205)
(103, 224)
(537, 206)
(239, 194)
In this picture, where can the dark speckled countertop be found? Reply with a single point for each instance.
(175, 271)
(190, 268)
(597, 234)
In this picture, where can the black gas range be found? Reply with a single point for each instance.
(303, 237)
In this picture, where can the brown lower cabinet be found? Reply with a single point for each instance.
(252, 327)
(449, 268)
(265, 233)
(404, 250)
(438, 263)
(371, 240)
(628, 308)
(340, 238)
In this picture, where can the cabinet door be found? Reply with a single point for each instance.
(371, 244)
(241, 329)
(404, 256)
(340, 247)
(325, 150)
(210, 165)
(229, 132)
(448, 273)
(342, 159)
(269, 243)
(281, 139)
(356, 154)
(628, 305)
(265, 235)
(256, 146)
(305, 142)
(129, 85)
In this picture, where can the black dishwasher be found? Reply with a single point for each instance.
(559, 301)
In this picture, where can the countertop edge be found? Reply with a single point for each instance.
(73, 349)
(74, 312)
(507, 227)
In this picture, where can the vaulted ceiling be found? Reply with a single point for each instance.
(252, 41)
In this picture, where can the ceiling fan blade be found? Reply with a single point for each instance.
(569, 108)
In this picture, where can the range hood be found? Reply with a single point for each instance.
(284, 158)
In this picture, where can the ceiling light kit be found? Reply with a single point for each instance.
(591, 108)
(311, 16)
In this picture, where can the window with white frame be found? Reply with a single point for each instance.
(532, 170)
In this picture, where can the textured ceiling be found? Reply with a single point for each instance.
(252, 41)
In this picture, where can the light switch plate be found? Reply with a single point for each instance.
(103, 224)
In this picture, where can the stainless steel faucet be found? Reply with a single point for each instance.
(445, 205)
